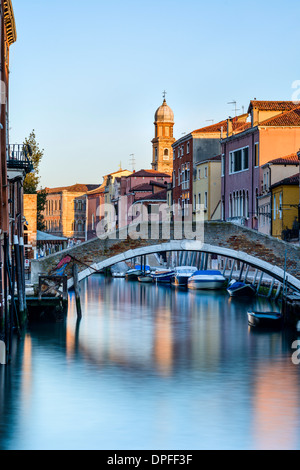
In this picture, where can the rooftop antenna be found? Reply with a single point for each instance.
(235, 108)
(132, 161)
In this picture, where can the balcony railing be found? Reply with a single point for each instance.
(18, 157)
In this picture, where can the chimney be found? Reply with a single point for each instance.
(229, 127)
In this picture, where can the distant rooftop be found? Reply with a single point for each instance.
(76, 188)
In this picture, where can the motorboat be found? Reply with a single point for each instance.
(241, 289)
(117, 275)
(182, 275)
(272, 320)
(133, 274)
(145, 278)
(208, 280)
(163, 276)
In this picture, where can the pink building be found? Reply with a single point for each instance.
(274, 132)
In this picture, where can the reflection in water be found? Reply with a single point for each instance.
(150, 367)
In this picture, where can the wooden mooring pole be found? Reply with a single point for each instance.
(77, 291)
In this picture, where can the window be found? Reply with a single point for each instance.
(206, 200)
(223, 165)
(199, 199)
(205, 172)
(199, 174)
(156, 154)
(256, 151)
(239, 160)
(188, 147)
(280, 206)
(179, 177)
(174, 179)
(274, 207)
(166, 154)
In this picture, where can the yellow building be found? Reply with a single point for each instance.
(30, 225)
(285, 203)
(207, 188)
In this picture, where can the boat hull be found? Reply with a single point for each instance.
(145, 279)
(205, 285)
(265, 320)
(241, 290)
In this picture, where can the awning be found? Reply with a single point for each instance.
(46, 237)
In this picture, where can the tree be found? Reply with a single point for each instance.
(32, 180)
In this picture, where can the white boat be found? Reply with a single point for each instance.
(182, 275)
(118, 275)
(206, 280)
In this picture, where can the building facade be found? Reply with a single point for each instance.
(285, 204)
(272, 173)
(207, 188)
(273, 132)
(65, 213)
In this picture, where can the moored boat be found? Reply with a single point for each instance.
(145, 278)
(182, 275)
(240, 289)
(272, 320)
(133, 274)
(206, 280)
(163, 276)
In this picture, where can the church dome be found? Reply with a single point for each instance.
(164, 113)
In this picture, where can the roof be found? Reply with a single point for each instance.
(98, 190)
(218, 158)
(161, 196)
(148, 186)
(288, 160)
(9, 21)
(290, 181)
(164, 113)
(148, 173)
(272, 105)
(46, 237)
(76, 188)
(289, 118)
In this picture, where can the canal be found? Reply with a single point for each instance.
(151, 367)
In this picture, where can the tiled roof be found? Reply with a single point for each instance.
(272, 105)
(98, 190)
(238, 125)
(76, 188)
(286, 119)
(291, 181)
(288, 160)
(147, 173)
(142, 187)
(161, 196)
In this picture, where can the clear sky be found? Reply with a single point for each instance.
(88, 75)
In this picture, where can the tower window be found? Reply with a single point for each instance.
(166, 154)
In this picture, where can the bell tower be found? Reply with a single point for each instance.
(162, 160)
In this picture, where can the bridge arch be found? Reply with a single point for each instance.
(275, 272)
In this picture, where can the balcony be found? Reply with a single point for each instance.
(18, 157)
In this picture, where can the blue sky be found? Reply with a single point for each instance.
(89, 76)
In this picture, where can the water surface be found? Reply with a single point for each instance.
(151, 367)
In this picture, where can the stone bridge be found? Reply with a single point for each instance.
(261, 252)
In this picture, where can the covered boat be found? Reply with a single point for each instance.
(145, 278)
(272, 320)
(240, 289)
(211, 280)
(182, 275)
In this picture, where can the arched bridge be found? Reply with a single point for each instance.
(257, 253)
